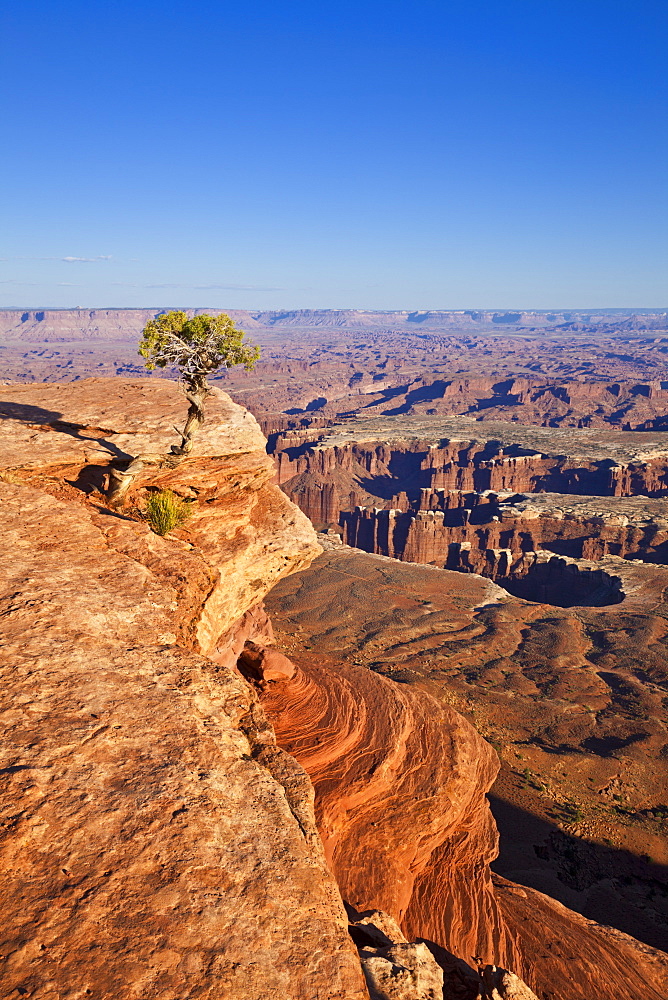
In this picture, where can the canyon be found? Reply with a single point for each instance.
(557, 369)
(571, 520)
(492, 495)
(572, 700)
(384, 460)
(188, 805)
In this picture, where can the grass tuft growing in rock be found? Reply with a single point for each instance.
(165, 511)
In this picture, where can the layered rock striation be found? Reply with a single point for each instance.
(555, 690)
(562, 549)
(407, 830)
(160, 839)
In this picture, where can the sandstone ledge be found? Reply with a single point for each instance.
(156, 842)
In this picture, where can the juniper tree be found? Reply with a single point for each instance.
(197, 347)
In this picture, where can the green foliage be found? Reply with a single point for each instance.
(572, 812)
(198, 346)
(164, 511)
(529, 779)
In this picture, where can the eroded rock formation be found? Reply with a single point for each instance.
(573, 700)
(160, 841)
(406, 830)
(157, 843)
(564, 550)
(388, 463)
(394, 968)
(550, 369)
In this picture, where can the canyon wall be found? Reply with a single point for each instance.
(398, 781)
(327, 471)
(508, 537)
(531, 399)
(58, 325)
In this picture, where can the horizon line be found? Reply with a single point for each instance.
(359, 309)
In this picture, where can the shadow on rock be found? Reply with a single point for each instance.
(606, 884)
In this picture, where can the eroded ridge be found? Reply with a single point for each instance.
(400, 806)
(388, 462)
(558, 549)
(548, 369)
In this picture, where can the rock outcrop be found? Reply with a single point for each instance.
(566, 550)
(394, 968)
(499, 984)
(160, 838)
(156, 841)
(561, 695)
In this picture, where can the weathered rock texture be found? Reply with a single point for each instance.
(562, 695)
(407, 830)
(499, 984)
(159, 842)
(563, 549)
(156, 842)
(370, 747)
(243, 535)
(394, 968)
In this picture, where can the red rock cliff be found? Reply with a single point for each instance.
(159, 842)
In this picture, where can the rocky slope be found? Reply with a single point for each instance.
(406, 831)
(572, 700)
(156, 842)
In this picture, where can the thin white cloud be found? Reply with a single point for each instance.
(81, 260)
(225, 288)
(68, 260)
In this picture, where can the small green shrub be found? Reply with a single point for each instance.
(529, 779)
(164, 511)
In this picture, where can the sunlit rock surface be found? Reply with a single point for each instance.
(159, 841)
(156, 841)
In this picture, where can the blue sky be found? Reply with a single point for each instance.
(399, 154)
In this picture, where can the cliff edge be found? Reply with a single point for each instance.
(156, 842)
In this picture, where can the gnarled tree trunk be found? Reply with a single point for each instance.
(120, 480)
(196, 396)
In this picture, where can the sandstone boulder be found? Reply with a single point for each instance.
(499, 984)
